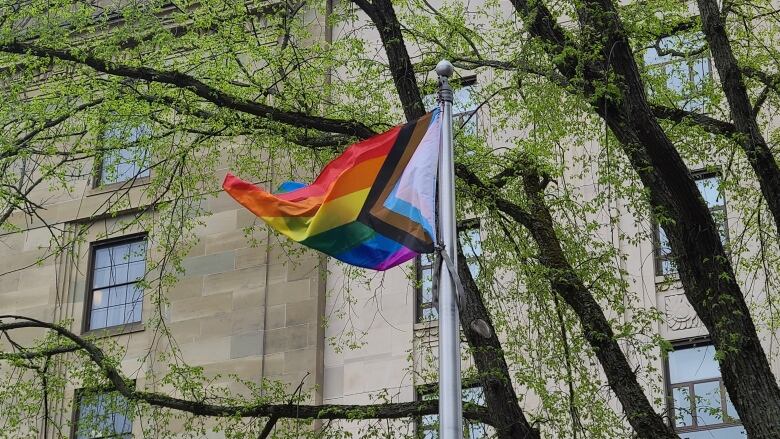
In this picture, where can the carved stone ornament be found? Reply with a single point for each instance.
(680, 314)
(668, 285)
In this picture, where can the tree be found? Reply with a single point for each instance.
(273, 80)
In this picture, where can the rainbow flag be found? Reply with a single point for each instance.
(373, 206)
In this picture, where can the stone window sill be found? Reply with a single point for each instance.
(114, 331)
(668, 283)
(113, 187)
(426, 325)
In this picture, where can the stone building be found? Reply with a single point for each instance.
(248, 306)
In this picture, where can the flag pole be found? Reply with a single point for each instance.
(450, 399)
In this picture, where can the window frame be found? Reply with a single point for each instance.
(431, 388)
(76, 409)
(462, 119)
(98, 174)
(690, 64)
(123, 328)
(419, 267)
(669, 386)
(658, 258)
(420, 306)
(458, 118)
(464, 227)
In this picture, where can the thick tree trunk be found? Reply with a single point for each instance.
(598, 332)
(705, 272)
(500, 397)
(383, 16)
(704, 267)
(565, 282)
(752, 140)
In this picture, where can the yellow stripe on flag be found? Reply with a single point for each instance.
(334, 213)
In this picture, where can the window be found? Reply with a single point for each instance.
(428, 425)
(683, 63)
(470, 240)
(115, 295)
(709, 187)
(124, 161)
(698, 400)
(425, 309)
(102, 415)
(464, 108)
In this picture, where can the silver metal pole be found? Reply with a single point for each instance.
(450, 399)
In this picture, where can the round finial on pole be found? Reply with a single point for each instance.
(444, 68)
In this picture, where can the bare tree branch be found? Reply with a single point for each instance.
(566, 283)
(707, 123)
(197, 87)
(119, 383)
(756, 149)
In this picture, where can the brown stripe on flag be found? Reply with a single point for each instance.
(379, 211)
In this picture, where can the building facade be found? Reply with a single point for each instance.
(248, 304)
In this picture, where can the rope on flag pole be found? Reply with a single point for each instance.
(442, 255)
